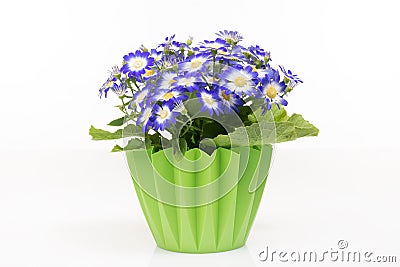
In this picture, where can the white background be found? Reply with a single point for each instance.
(66, 201)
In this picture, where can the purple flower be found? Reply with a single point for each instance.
(240, 80)
(137, 63)
(164, 115)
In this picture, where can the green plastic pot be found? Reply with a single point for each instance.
(205, 224)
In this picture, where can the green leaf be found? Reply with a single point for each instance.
(133, 130)
(266, 132)
(258, 134)
(302, 126)
(129, 130)
(99, 134)
(275, 113)
(117, 122)
(117, 148)
(134, 143)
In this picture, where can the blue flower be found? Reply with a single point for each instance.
(137, 63)
(232, 37)
(110, 83)
(120, 89)
(195, 63)
(294, 79)
(145, 118)
(240, 80)
(157, 55)
(140, 96)
(217, 45)
(273, 90)
(268, 71)
(172, 95)
(164, 115)
(167, 80)
(210, 101)
(188, 81)
(230, 101)
(257, 51)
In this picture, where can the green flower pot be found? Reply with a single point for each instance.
(212, 219)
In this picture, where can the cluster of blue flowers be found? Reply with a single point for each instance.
(223, 75)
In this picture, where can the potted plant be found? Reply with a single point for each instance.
(198, 128)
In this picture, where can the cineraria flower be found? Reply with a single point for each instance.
(292, 77)
(145, 118)
(194, 63)
(188, 81)
(167, 95)
(119, 89)
(167, 79)
(272, 89)
(218, 44)
(239, 80)
(257, 51)
(137, 64)
(210, 101)
(149, 74)
(115, 71)
(262, 73)
(107, 86)
(140, 96)
(163, 116)
(156, 55)
(230, 36)
(229, 100)
(179, 107)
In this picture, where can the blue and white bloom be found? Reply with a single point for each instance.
(195, 63)
(218, 45)
(173, 95)
(164, 116)
(110, 83)
(273, 90)
(144, 118)
(137, 63)
(240, 81)
(157, 55)
(230, 101)
(120, 89)
(294, 79)
(210, 101)
(230, 36)
(140, 96)
(188, 81)
(167, 80)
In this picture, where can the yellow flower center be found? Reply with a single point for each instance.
(271, 92)
(240, 81)
(163, 114)
(168, 96)
(149, 73)
(225, 96)
(195, 64)
(254, 69)
(137, 64)
(171, 81)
